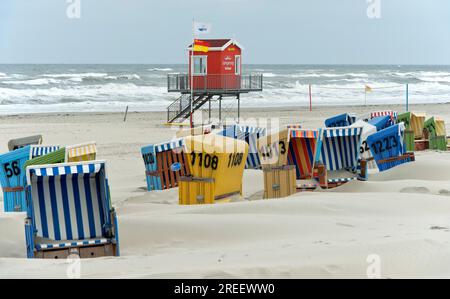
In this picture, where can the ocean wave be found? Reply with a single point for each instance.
(76, 75)
(157, 69)
(33, 82)
(124, 77)
(110, 88)
(94, 93)
(271, 75)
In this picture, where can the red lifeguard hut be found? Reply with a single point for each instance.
(215, 72)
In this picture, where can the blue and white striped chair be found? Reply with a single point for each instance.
(12, 174)
(338, 156)
(70, 211)
(250, 135)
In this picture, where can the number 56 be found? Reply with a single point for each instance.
(12, 169)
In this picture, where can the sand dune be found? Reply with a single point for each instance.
(401, 216)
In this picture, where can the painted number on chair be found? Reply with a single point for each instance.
(385, 144)
(12, 169)
(267, 152)
(148, 158)
(364, 147)
(205, 160)
(235, 159)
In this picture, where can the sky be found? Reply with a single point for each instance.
(272, 31)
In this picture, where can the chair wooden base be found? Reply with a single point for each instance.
(83, 252)
(321, 175)
(421, 145)
(395, 161)
(198, 191)
(279, 182)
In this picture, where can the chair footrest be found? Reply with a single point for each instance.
(342, 180)
(68, 244)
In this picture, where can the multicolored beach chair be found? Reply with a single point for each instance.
(414, 122)
(249, 135)
(388, 148)
(14, 144)
(342, 120)
(70, 211)
(12, 174)
(290, 147)
(338, 156)
(302, 150)
(436, 133)
(164, 163)
(273, 149)
(413, 135)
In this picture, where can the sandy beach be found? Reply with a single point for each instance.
(400, 216)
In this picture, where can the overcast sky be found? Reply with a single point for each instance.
(272, 31)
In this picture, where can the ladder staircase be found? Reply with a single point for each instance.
(180, 109)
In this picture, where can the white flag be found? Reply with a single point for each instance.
(201, 28)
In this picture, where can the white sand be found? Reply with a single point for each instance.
(322, 234)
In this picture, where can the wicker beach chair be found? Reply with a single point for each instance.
(302, 150)
(164, 164)
(70, 211)
(216, 166)
(14, 144)
(435, 132)
(12, 174)
(338, 157)
(414, 128)
(290, 147)
(388, 148)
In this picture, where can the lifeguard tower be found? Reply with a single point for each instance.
(217, 73)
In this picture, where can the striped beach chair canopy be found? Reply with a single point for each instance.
(339, 148)
(41, 150)
(70, 204)
(171, 145)
(81, 152)
(302, 150)
(386, 145)
(391, 113)
(341, 120)
(381, 122)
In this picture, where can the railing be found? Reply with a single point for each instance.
(178, 106)
(215, 83)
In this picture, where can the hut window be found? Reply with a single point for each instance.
(200, 65)
(237, 66)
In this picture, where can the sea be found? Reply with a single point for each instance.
(96, 88)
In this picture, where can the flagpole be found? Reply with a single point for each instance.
(192, 73)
